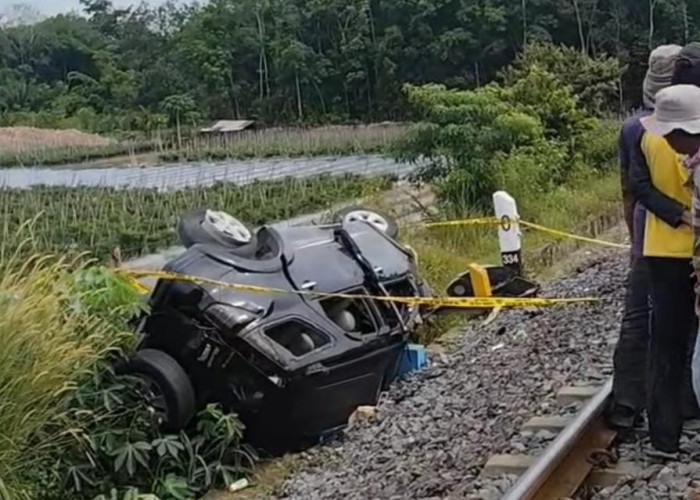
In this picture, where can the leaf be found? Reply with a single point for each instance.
(175, 487)
(168, 445)
(204, 470)
(130, 454)
(121, 458)
(112, 495)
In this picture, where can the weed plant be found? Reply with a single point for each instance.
(445, 252)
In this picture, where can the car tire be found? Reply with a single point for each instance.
(384, 222)
(191, 231)
(154, 366)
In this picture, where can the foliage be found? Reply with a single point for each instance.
(50, 341)
(328, 61)
(120, 451)
(272, 142)
(594, 81)
(71, 428)
(530, 136)
(69, 154)
(141, 221)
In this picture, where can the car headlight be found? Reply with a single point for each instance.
(230, 316)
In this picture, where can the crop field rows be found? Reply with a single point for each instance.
(171, 177)
(28, 147)
(139, 221)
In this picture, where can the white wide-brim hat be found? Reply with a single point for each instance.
(677, 108)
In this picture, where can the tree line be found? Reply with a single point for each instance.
(307, 61)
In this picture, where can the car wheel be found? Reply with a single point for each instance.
(165, 386)
(385, 223)
(219, 228)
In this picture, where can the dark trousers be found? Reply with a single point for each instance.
(673, 331)
(630, 359)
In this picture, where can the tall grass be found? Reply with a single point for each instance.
(27, 138)
(445, 251)
(48, 343)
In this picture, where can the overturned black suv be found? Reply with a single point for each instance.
(293, 366)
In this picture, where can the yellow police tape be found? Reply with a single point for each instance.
(133, 277)
(437, 302)
(506, 222)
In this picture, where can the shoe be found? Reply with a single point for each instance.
(622, 418)
(641, 424)
(663, 456)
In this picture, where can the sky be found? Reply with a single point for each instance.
(51, 7)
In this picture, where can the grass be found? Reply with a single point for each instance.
(47, 346)
(447, 250)
(584, 207)
(269, 476)
(144, 221)
(278, 142)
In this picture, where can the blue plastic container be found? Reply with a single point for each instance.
(413, 358)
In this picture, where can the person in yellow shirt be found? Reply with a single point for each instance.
(628, 400)
(667, 252)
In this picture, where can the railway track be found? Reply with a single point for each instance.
(580, 455)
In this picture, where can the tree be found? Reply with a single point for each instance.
(279, 61)
(176, 106)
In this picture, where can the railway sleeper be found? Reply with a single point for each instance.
(516, 465)
(579, 457)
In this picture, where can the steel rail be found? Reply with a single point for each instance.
(529, 484)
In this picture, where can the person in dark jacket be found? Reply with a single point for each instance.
(630, 359)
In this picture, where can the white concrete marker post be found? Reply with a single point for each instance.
(509, 235)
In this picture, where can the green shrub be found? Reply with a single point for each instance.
(541, 94)
(594, 80)
(599, 145)
(531, 170)
(529, 136)
(463, 131)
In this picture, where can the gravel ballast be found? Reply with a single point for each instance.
(434, 431)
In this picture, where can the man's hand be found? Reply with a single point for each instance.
(687, 218)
